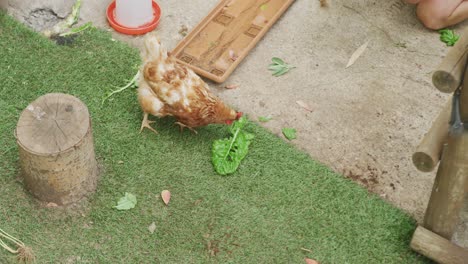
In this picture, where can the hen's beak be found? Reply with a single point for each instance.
(238, 116)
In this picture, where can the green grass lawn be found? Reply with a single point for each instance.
(278, 202)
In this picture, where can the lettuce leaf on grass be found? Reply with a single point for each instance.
(127, 202)
(228, 153)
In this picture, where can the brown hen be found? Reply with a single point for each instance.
(167, 88)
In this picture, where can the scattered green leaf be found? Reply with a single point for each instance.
(127, 202)
(279, 67)
(281, 72)
(448, 37)
(277, 60)
(263, 7)
(75, 14)
(228, 153)
(275, 67)
(68, 22)
(289, 133)
(264, 118)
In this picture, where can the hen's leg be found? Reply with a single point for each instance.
(146, 124)
(182, 126)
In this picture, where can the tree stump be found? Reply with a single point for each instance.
(56, 149)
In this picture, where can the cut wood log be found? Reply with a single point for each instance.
(56, 149)
(450, 187)
(437, 248)
(427, 154)
(449, 73)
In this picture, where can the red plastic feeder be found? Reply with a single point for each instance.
(130, 30)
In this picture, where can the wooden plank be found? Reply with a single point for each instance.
(216, 46)
(437, 248)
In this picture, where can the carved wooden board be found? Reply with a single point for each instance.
(223, 39)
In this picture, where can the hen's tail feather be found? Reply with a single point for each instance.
(154, 50)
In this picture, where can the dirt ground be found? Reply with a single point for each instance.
(367, 119)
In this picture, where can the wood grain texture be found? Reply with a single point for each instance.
(52, 123)
(56, 149)
(437, 248)
(450, 188)
(233, 27)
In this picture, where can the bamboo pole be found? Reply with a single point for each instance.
(448, 75)
(437, 248)
(427, 154)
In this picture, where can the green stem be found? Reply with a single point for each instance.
(122, 88)
(77, 30)
(11, 238)
(232, 143)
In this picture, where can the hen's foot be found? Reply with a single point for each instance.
(182, 126)
(146, 124)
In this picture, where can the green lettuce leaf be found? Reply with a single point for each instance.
(227, 154)
(127, 202)
(289, 133)
(448, 37)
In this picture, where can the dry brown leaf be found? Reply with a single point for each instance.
(152, 227)
(311, 261)
(323, 3)
(231, 86)
(304, 105)
(51, 205)
(357, 54)
(166, 196)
